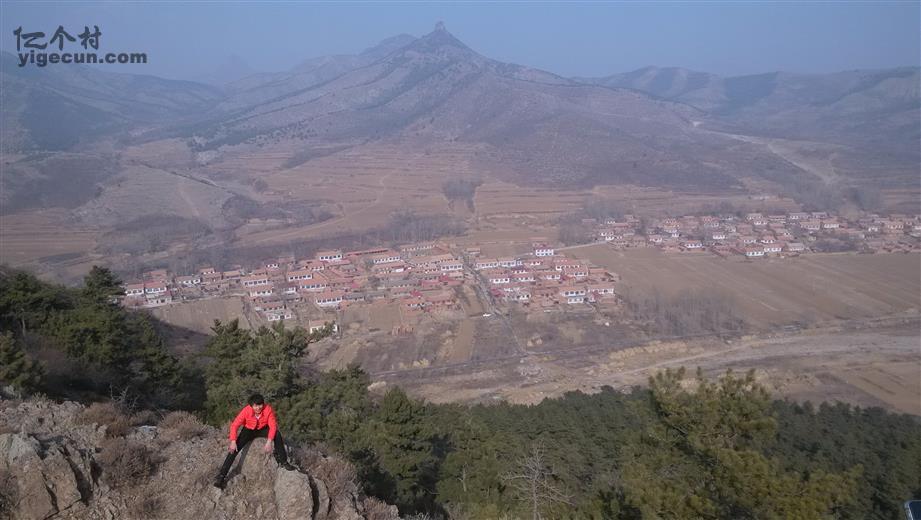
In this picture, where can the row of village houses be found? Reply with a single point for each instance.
(548, 281)
(546, 278)
(758, 235)
(420, 277)
(330, 280)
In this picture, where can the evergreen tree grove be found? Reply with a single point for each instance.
(244, 361)
(701, 457)
(16, 368)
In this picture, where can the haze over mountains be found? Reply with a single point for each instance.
(661, 127)
(55, 107)
(859, 106)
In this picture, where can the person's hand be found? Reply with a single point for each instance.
(268, 447)
(233, 447)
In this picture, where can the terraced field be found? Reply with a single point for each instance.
(30, 237)
(363, 187)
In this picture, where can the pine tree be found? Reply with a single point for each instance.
(700, 457)
(243, 362)
(16, 369)
(401, 435)
(101, 286)
(330, 409)
(27, 303)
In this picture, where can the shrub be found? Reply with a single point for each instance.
(309, 457)
(377, 510)
(17, 369)
(125, 463)
(182, 426)
(144, 418)
(339, 475)
(108, 415)
(119, 427)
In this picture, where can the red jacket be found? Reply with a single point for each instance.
(247, 419)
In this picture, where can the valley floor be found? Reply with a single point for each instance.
(872, 366)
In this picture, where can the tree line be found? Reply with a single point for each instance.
(79, 343)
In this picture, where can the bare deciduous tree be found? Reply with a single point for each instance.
(535, 482)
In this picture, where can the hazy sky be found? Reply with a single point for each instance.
(183, 39)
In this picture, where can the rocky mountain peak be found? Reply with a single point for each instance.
(440, 40)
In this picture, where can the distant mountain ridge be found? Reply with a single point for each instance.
(540, 126)
(57, 106)
(861, 106)
(653, 126)
(234, 68)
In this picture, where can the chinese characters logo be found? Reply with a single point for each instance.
(32, 47)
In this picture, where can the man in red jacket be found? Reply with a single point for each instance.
(257, 420)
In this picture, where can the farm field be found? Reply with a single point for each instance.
(657, 200)
(360, 186)
(877, 367)
(42, 236)
(502, 198)
(133, 192)
(199, 315)
(363, 187)
(375, 317)
(894, 383)
(778, 291)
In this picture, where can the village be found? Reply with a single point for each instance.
(437, 277)
(756, 235)
(418, 278)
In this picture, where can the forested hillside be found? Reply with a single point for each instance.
(682, 447)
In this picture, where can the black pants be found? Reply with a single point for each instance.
(246, 435)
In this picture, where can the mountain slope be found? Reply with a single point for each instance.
(861, 107)
(700, 89)
(258, 88)
(536, 126)
(54, 107)
(234, 68)
(654, 126)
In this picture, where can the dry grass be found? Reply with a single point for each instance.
(9, 403)
(813, 288)
(182, 426)
(376, 510)
(6, 404)
(309, 457)
(144, 418)
(125, 463)
(146, 507)
(8, 495)
(205, 474)
(109, 415)
(340, 476)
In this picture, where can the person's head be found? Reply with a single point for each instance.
(257, 402)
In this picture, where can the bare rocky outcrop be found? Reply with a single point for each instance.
(54, 465)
